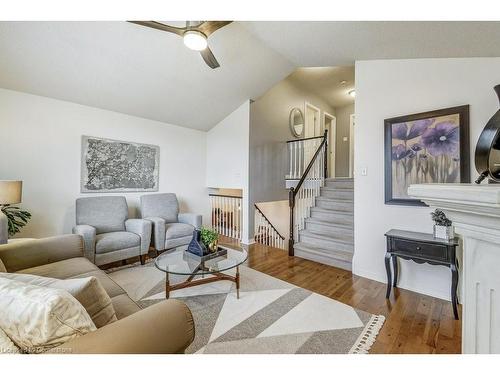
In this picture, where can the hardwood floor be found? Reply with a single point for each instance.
(415, 323)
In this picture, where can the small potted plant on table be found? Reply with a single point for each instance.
(442, 227)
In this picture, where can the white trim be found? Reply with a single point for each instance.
(352, 121)
(332, 141)
(316, 109)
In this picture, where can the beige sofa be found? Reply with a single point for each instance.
(166, 327)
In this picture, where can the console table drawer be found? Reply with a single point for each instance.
(420, 249)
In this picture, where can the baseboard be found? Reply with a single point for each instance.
(247, 242)
(436, 293)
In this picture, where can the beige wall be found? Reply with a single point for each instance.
(269, 132)
(343, 115)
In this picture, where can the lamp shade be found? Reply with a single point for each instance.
(10, 192)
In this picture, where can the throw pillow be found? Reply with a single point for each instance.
(88, 291)
(6, 344)
(38, 318)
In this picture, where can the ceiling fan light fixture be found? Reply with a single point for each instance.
(195, 40)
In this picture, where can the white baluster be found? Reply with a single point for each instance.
(291, 158)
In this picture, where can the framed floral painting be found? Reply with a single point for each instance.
(429, 147)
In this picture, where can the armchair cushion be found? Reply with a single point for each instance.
(108, 242)
(105, 214)
(164, 205)
(178, 230)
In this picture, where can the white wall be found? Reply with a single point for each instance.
(228, 155)
(40, 143)
(389, 88)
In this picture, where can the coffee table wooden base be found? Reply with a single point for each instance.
(217, 276)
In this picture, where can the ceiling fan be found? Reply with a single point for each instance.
(194, 34)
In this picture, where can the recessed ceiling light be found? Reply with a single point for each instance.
(352, 93)
(343, 82)
(195, 40)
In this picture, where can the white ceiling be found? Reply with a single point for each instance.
(342, 43)
(327, 83)
(136, 70)
(139, 71)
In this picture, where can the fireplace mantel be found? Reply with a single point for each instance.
(475, 212)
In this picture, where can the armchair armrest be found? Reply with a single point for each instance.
(88, 233)
(193, 219)
(158, 232)
(32, 253)
(164, 328)
(143, 229)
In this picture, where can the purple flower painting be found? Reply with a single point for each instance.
(425, 150)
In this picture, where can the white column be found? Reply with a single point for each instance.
(475, 212)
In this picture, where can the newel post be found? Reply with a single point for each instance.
(291, 203)
(326, 153)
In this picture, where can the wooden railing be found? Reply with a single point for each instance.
(300, 153)
(302, 197)
(265, 232)
(226, 215)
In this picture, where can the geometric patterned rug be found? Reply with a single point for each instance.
(271, 316)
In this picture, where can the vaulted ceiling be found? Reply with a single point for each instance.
(132, 69)
(143, 72)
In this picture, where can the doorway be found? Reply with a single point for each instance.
(352, 123)
(312, 119)
(330, 124)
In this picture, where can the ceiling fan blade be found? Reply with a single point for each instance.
(161, 26)
(210, 27)
(209, 58)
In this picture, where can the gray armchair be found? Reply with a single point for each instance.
(170, 228)
(108, 234)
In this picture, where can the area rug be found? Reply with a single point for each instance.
(271, 316)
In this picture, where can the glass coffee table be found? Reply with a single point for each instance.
(180, 262)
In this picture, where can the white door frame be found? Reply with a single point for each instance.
(332, 140)
(316, 132)
(352, 121)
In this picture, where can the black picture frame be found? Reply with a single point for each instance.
(464, 148)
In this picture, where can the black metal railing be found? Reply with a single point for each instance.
(315, 180)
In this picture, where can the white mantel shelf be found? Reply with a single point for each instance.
(475, 212)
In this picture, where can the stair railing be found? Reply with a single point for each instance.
(300, 152)
(303, 196)
(265, 232)
(226, 215)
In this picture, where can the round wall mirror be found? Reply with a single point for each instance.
(296, 121)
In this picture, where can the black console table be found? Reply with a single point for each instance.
(421, 248)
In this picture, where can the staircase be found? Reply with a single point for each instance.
(328, 236)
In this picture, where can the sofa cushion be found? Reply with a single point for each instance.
(64, 269)
(178, 230)
(108, 242)
(124, 306)
(105, 214)
(88, 291)
(76, 268)
(6, 344)
(2, 267)
(38, 318)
